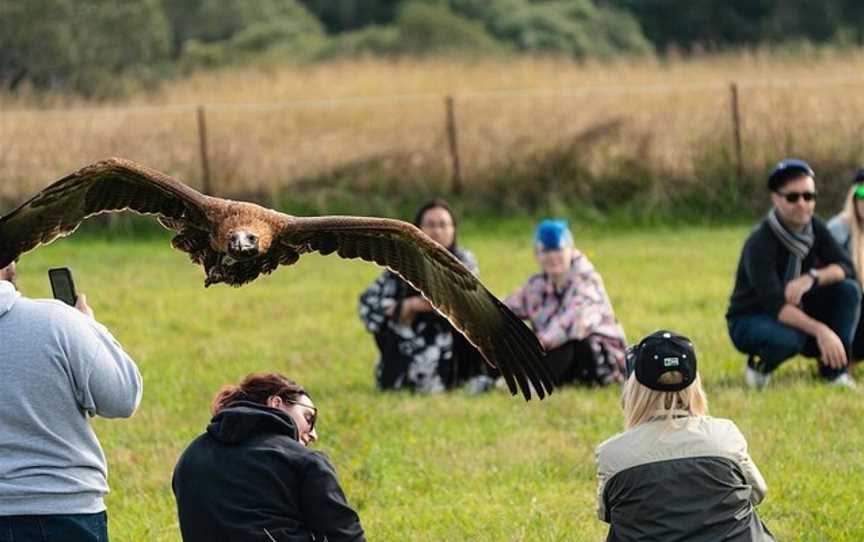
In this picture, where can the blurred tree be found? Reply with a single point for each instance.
(717, 24)
(211, 21)
(420, 28)
(427, 29)
(83, 46)
(708, 23)
(345, 15)
(576, 27)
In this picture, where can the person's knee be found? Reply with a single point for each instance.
(779, 347)
(847, 296)
(826, 302)
(755, 336)
(849, 289)
(773, 342)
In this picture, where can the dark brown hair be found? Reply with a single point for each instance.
(437, 203)
(257, 388)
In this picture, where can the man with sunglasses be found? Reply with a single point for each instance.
(795, 289)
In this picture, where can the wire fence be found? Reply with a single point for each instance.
(255, 149)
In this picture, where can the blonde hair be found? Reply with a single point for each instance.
(641, 403)
(856, 239)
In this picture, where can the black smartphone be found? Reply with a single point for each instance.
(62, 285)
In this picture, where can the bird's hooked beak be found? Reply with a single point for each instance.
(242, 245)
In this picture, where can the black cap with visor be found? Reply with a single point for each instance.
(660, 353)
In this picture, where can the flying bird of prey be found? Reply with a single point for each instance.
(237, 241)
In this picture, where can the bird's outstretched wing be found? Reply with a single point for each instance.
(108, 185)
(503, 339)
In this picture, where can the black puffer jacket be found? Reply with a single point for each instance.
(249, 479)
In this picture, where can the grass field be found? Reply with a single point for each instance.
(451, 467)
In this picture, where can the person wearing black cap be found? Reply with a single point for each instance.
(847, 227)
(795, 289)
(675, 473)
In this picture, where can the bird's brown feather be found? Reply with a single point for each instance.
(503, 339)
(109, 185)
(203, 223)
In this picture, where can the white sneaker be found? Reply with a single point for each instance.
(479, 384)
(843, 380)
(755, 379)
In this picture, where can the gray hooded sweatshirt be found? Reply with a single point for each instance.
(57, 367)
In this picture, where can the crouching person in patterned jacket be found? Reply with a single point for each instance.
(675, 473)
(570, 312)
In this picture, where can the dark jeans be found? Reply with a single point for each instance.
(573, 361)
(56, 528)
(762, 335)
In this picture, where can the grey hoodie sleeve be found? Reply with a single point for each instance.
(738, 448)
(752, 474)
(106, 380)
(602, 477)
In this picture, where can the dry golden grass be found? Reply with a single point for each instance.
(270, 125)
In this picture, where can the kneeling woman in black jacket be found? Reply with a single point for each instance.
(250, 476)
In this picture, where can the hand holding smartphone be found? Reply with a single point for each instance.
(62, 285)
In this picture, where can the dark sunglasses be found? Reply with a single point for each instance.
(792, 197)
(311, 421)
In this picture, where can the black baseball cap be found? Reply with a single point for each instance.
(659, 353)
(786, 170)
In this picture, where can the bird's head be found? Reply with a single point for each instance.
(245, 237)
(243, 244)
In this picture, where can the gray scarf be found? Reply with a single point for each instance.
(798, 244)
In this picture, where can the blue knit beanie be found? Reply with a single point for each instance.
(553, 235)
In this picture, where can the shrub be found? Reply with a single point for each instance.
(431, 29)
(372, 40)
(420, 29)
(231, 32)
(86, 47)
(575, 27)
(220, 20)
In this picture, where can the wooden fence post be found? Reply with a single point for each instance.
(454, 146)
(205, 162)
(736, 127)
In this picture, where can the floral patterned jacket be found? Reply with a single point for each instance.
(579, 311)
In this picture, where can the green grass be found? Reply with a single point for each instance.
(453, 467)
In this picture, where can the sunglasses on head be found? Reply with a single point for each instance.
(793, 197)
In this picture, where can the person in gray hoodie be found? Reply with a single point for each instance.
(58, 368)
